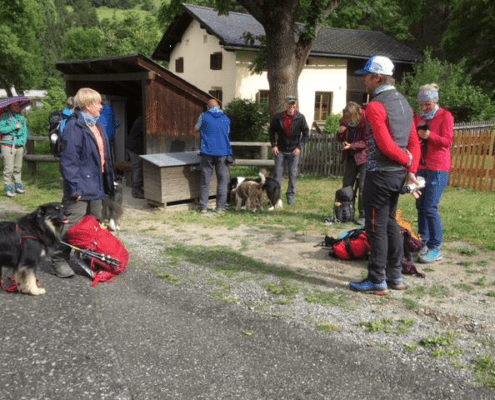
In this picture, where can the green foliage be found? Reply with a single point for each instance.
(470, 34)
(131, 35)
(333, 124)
(393, 17)
(484, 368)
(249, 120)
(83, 44)
(458, 94)
(21, 58)
(37, 119)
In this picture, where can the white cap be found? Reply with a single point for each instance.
(377, 65)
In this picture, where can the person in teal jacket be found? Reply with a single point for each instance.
(14, 138)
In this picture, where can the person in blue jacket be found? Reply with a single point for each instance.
(216, 152)
(107, 119)
(86, 167)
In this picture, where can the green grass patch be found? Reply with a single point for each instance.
(484, 370)
(387, 326)
(444, 341)
(285, 288)
(466, 287)
(409, 304)
(491, 293)
(330, 299)
(481, 282)
(450, 353)
(169, 278)
(328, 328)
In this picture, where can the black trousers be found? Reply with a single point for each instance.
(381, 195)
(352, 170)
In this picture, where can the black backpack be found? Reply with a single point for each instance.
(343, 209)
(55, 121)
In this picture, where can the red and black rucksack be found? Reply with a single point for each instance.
(106, 255)
(350, 245)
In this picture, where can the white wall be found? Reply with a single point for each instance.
(321, 75)
(195, 47)
(236, 81)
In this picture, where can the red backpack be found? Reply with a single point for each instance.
(350, 245)
(106, 255)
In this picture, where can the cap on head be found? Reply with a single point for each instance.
(290, 99)
(377, 65)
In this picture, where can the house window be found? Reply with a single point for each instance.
(262, 96)
(216, 93)
(216, 61)
(323, 105)
(179, 64)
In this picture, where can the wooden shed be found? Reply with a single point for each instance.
(135, 85)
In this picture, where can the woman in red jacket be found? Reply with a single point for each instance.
(352, 132)
(435, 127)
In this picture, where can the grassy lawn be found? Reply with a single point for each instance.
(467, 215)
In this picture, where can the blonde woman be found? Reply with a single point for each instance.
(352, 133)
(86, 167)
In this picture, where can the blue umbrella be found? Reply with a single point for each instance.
(22, 101)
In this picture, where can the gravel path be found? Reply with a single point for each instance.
(445, 321)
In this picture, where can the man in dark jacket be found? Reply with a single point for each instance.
(288, 131)
(134, 146)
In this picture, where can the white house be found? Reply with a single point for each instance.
(210, 51)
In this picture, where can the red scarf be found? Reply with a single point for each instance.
(288, 124)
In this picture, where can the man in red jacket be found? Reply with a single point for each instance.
(393, 153)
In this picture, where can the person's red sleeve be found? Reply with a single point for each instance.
(414, 147)
(377, 118)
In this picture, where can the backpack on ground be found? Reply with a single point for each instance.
(350, 245)
(98, 248)
(343, 209)
(56, 121)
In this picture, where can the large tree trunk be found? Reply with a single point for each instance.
(286, 54)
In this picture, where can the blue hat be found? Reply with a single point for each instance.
(377, 65)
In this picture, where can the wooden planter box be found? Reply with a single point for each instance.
(173, 179)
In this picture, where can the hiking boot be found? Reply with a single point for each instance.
(62, 270)
(9, 191)
(203, 210)
(396, 284)
(423, 250)
(220, 211)
(431, 256)
(19, 189)
(367, 286)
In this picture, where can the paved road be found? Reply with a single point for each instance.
(140, 338)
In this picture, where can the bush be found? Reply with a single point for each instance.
(37, 119)
(458, 94)
(249, 121)
(332, 125)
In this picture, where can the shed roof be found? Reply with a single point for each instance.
(230, 29)
(125, 70)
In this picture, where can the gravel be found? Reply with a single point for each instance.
(467, 318)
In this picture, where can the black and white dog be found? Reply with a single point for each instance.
(23, 243)
(113, 207)
(270, 186)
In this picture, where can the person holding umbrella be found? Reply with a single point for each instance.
(14, 138)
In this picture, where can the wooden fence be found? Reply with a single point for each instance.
(473, 155)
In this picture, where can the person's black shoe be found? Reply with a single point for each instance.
(138, 195)
(62, 270)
